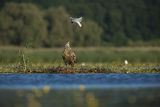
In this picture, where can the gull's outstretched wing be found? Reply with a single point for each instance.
(80, 19)
(79, 24)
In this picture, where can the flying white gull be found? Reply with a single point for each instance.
(76, 20)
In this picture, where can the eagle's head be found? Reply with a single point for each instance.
(67, 45)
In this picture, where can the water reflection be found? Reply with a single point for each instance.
(77, 98)
(79, 90)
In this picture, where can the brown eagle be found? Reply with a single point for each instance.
(69, 56)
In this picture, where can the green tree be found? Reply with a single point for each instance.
(120, 39)
(136, 20)
(88, 35)
(59, 27)
(25, 24)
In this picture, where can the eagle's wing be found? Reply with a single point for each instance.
(73, 56)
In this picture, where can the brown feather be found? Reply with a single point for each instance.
(69, 56)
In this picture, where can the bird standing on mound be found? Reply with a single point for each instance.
(76, 20)
(69, 56)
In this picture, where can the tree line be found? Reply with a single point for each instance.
(45, 23)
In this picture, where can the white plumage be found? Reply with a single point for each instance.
(126, 62)
(76, 20)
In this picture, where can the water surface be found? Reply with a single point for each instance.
(73, 80)
(79, 90)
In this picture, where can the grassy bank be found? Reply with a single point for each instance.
(109, 59)
(86, 55)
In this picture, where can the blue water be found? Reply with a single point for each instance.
(76, 80)
(80, 90)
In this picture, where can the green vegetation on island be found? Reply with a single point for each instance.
(89, 60)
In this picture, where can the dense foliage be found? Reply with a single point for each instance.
(106, 22)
